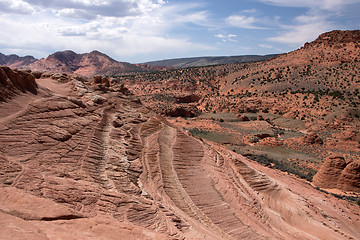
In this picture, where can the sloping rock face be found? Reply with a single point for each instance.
(13, 82)
(336, 173)
(72, 167)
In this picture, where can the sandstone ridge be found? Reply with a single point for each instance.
(106, 167)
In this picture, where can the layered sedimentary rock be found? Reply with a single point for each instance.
(74, 166)
(13, 82)
(328, 175)
(349, 179)
(337, 173)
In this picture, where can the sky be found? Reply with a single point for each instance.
(145, 30)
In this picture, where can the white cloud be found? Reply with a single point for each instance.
(115, 8)
(249, 19)
(319, 4)
(264, 45)
(75, 13)
(307, 28)
(84, 25)
(228, 37)
(241, 21)
(184, 13)
(15, 6)
(253, 10)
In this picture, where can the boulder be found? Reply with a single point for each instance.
(188, 99)
(242, 118)
(101, 80)
(263, 135)
(61, 77)
(311, 138)
(181, 112)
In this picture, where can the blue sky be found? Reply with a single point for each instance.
(144, 30)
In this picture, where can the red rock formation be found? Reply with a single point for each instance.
(336, 173)
(182, 111)
(68, 171)
(87, 64)
(336, 37)
(243, 118)
(100, 80)
(349, 179)
(329, 173)
(311, 138)
(188, 99)
(14, 81)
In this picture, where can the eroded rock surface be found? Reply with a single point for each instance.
(72, 167)
(337, 173)
(13, 82)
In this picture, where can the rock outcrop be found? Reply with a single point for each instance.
(13, 82)
(188, 99)
(336, 37)
(243, 118)
(329, 173)
(101, 80)
(182, 111)
(336, 173)
(311, 138)
(349, 179)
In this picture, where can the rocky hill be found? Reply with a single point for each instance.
(97, 63)
(205, 61)
(88, 160)
(86, 64)
(14, 61)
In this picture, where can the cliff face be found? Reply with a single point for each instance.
(13, 82)
(106, 167)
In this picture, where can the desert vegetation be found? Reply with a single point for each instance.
(312, 91)
(261, 150)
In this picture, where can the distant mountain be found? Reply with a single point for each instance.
(95, 62)
(206, 61)
(86, 64)
(14, 61)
